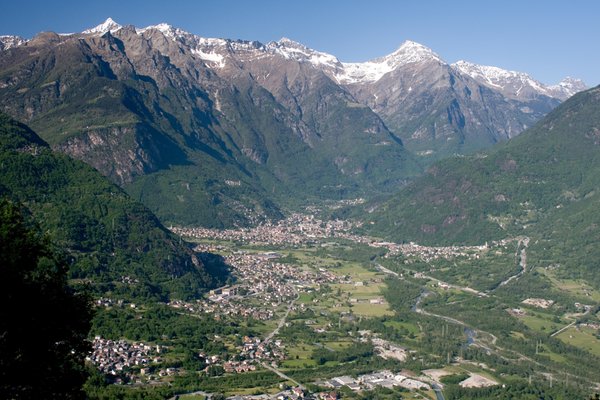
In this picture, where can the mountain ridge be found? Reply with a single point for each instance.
(508, 81)
(173, 117)
(409, 51)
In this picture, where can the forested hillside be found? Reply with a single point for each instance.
(113, 243)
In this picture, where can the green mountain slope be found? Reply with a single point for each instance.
(112, 241)
(486, 196)
(544, 184)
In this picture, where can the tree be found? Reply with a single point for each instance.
(43, 323)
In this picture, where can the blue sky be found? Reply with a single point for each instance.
(547, 39)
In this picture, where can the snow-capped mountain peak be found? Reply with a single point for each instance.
(568, 87)
(371, 71)
(163, 27)
(167, 30)
(291, 49)
(107, 26)
(410, 52)
(493, 76)
(518, 85)
(216, 53)
(8, 41)
(284, 41)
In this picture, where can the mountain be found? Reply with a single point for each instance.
(7, 42)
(543, 184)
(439, 109)
(107, 26)
(518, 85)
(227, 132)
(436, 109)
(193, 131)
(111, 241)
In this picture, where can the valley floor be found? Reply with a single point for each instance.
(316, 311)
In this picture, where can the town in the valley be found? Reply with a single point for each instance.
(286, 282)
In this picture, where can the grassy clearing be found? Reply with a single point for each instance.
(356, 271)
(306, 298)
(553, 356)
(574, 287)
(299, 363)
(264, 327)
(365, 292)
(410, 327)
(338, 345)
(300, 357)
(371, 310)
(581, 337)
(539, 322)
(475, 369)
(517, 335)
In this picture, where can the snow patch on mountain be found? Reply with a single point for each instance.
(8, 41)
(518, 84)
(290, 49)
(216, 58)
(495, 76)
(167, 30)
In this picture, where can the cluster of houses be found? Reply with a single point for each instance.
(233, 366)
(260, 273)
(270, 280)
(255, 349)
(239, 367)
(251, 352)
(428, 253)
(108, 302)
(516, 312)
(591, 325)
(119, 357)
(128, 280)
(295, 230)
(264, 284)
(221, 305)
(300, 229)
